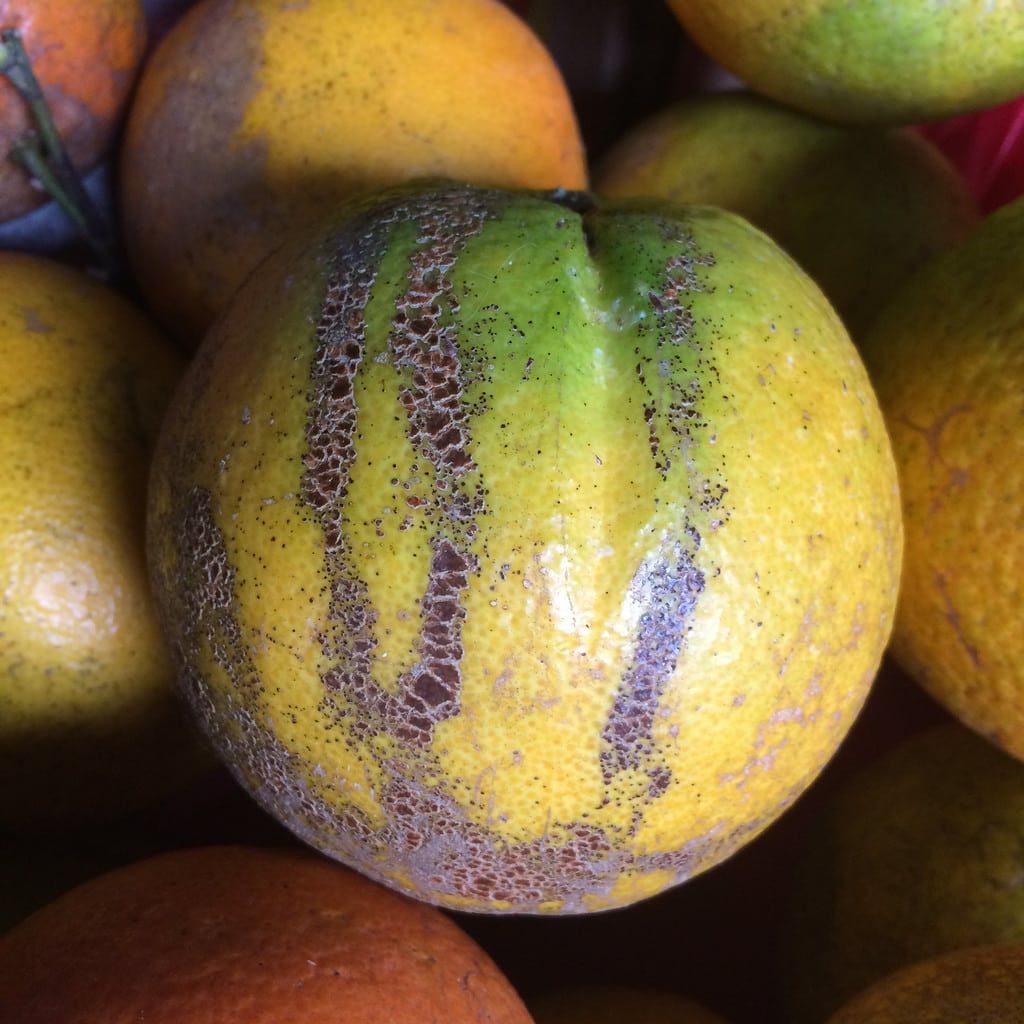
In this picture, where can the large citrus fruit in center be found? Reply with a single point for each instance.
(528, 559)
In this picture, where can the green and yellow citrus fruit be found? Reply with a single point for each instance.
(528, 559)
(947, 360)
(859, 208)
(90, 725)
(869, 61)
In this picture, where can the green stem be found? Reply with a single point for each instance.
(43, 155)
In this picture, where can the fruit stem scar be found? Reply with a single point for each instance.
(42, 154)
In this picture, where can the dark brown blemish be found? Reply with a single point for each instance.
(422, 346)
(205, 588)
(668, 593)
(957, 476)
(347, 637)
(668, 590)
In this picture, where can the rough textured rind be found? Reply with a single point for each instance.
(461, 485)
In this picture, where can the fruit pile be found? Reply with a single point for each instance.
(511, 511)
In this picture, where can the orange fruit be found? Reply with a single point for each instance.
(870, 61)
(609, 1004)
(947, 361)
(528, 559)
(860, 209)
(85, 56)
(90, 725)
(982, 985)
(255, 115)
(917, 854)
(221, 935)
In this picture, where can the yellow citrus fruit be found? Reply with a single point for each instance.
(877, 61)
(601, 1004)
(89, 722)
(947, 360)
(225, 935)
(859, 208)
(981, 985)
(253, 115)
(529, 556)
(920, 853)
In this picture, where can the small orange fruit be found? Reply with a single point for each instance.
(982, 985)
(85, 56)
(529, 559)
(222, 935)
(254, 115)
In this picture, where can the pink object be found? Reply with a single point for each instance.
(987, 147)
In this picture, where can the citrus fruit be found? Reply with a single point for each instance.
(85, 56)
(219, 935)
(878, 61)
(859, 208)
(608, 1004)
(947, 360)
(529, 555)
(918, 854)
(983, 985)
(90, 724)
(255, 115)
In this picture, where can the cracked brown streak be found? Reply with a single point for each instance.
(671, 587)
(208, 619)
(427, 831)
(422, 344)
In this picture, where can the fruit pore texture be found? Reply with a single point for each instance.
(527, 559)
(983, 985)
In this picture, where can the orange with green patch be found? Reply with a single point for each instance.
(528, 559)
(869, 61)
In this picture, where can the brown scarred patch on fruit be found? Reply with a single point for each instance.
(346, 638)
(207, 596)
(423, 346)
(667, 591)
(664, 590)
